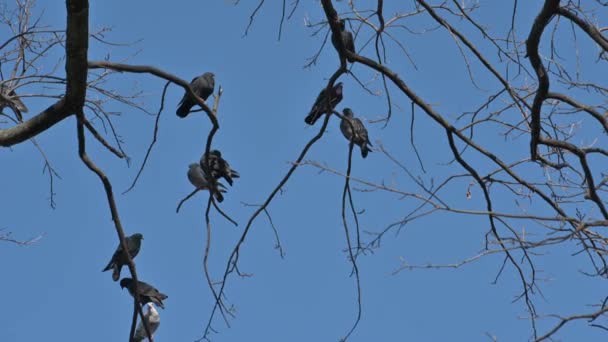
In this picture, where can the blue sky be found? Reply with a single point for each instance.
(55, 290)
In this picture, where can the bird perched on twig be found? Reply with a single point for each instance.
(202, 86)
(218, 167)
(147, 293)
(152, 318)
(352, 128)
(119, 259)
(320, 106)
(347, 39)
(197, 177)
(9, 98)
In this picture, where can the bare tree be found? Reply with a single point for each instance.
(535, 97)
(527, 86)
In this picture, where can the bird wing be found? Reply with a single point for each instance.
(346, 128)
(197, 177)
(349, 42)
(203, 87)
(360, 131)
(17, 101)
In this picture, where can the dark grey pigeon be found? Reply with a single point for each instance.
(147, 293)
(197, 177)
(355, 131)
(320, 106)
(8, 98)
(219, 167)
(202, 86)
(347, 39)
(119, 260)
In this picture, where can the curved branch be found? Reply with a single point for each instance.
(146, 69)
(549, 9)
(591, 30)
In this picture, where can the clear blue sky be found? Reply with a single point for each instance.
(55, 290)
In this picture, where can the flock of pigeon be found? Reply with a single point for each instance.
(352, 128)
(205, 174)
(147, 294)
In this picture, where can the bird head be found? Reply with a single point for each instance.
(348, 112)
(342, 24)
(338, 88)
(125, 282)
(210, 76)
(137, 236)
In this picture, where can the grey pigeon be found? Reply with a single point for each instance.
(219, 167)
(347, 39)
(359, 137)
(118, 258)
(152, 318)
(197, 177)
(320, 106)
(8, 98)
(202, 86)
(147, 293)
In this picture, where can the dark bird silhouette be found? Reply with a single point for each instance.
(202, 86)
(9, 98)
(197, 177)
(119, 259)
(218, 167)
(147, 293)
(347, 39)
(352, 128)
(320, 106)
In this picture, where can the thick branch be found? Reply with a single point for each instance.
(549, 9)
(77, 43)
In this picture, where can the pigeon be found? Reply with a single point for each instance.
(197, 177)
(147, 293)
(360, 133)
(118, 258)
(202, 86)
(219, 167)
(152, 318)
(8, 98)
(320, 105)
(347, 39)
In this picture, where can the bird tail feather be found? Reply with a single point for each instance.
(183, 110)
(116, 273)
(107, 268)
(311, 118)
(364, 151)
(20, 105)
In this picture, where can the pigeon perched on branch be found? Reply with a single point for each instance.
(352, 128)
(202, 86)
(347, 39)
(152, 318)
(197, 177)
(147, 293)
(119, 259)
(9, 98)
(218, 167)
(321, 103)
